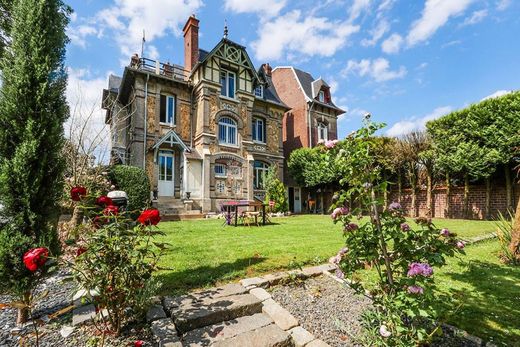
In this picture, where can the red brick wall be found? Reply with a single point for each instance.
(477, 201)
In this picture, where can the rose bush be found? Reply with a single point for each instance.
(404, 258)
(116, 259)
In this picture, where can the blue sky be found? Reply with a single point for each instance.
(404, 61)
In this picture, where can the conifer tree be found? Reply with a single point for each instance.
(33, 109)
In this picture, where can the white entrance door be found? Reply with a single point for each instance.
(297, 200)
(166, 173)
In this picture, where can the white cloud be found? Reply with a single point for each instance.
(392, 44)
(435, 14)
(292, 34)
(376, 33)
(378, 69)
(78, 34)
(416, 124)
(503, 4)
(385, 5)
(84, 94)
(128, 19)
(358, 7)
(497, 94)
(266, 7)
(475, 17)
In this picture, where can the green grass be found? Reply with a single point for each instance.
(205, 253)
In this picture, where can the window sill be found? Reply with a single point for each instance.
(259, 143)
(171, 125)
(228, 145)
(227, 98)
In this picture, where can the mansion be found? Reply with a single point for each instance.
(209, 131)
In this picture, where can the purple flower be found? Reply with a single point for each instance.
(405, 227)
(331, 144)
(351, 227)
(338, 211)
(395, 206)
(339, 274)
(460, 244)
(445, 232)
(415, 290)
(422, 269)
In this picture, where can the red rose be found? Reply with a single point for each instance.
(76, 193)
(80, 251)
(98, 221)
(104, 201)
(149, 217)
(138, 343)
(111, 210)
(35, 258)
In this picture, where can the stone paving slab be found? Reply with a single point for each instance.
(154, 313)
(83, 314)
(268, 336)
(300, 336)
(260, 293)
(283, 318)
(318, 270)
(254, 281)
(192, 314)
(165, 333)
(225, 330)
(317, 343)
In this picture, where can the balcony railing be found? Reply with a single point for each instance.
(164, 69)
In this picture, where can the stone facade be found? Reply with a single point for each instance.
(178, 123)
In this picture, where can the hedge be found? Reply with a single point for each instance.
(134, 181)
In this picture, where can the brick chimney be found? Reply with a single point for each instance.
(191, 42)
(267, 69)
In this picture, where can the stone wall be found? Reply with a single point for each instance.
(477, 200)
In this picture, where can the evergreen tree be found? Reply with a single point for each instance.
(32, 112)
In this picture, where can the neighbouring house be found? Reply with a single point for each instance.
(312, 119)
(205, 132)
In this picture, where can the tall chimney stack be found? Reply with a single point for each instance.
(267, 69)
(191, 42)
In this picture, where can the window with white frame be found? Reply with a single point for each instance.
(321, 96)
(227, 83)
(227, 131)
(259, 172)
(323, 132)
(167, 109)
(220, 170)
(259, 91)
(258, 130)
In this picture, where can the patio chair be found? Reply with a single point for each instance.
(228, 218)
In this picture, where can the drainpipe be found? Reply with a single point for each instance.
(191, 114)
(145, 119)
(310, 124)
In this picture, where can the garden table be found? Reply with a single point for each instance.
(234, 205)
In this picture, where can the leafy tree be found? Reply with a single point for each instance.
(6, 7)
(32, 112)
(275, 191)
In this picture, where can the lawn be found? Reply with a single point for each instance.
(206, 252)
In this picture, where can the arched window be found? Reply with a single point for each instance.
(227, 131)
(259, 172)
(323, 132)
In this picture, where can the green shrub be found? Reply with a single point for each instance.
(275, 190)
(504, 233)
(134, 182)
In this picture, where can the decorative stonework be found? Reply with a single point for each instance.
(151, 104)
(273, 136)
(213, 108)
(229, 107)
(185, 121)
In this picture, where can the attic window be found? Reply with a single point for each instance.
(259, 91)
(321, 96)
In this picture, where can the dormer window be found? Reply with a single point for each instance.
(259, 91)
(323, 132)
(321, 96)
(227, 84)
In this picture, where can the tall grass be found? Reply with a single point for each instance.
(504, 233)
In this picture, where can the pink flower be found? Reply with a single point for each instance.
(405, 227)
(383, 331)
(415, 290)
(339, 211)
(460, 244)
(445, 232)
(395, 206)
(331, 144)
(419, 269)
(351, 227)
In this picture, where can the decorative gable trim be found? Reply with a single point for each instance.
(172, 139)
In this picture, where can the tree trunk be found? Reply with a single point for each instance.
(448, 196)
(487, 209)
(429, 194)
(414, 198)
(509, 189)
(514, 247)
(466, 196)
(399, 187)
(23, 312)
(77, 217)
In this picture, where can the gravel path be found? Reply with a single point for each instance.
(327, 309)
(59, 297)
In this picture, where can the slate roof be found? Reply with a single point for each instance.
(306, 81)
(270, 93)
